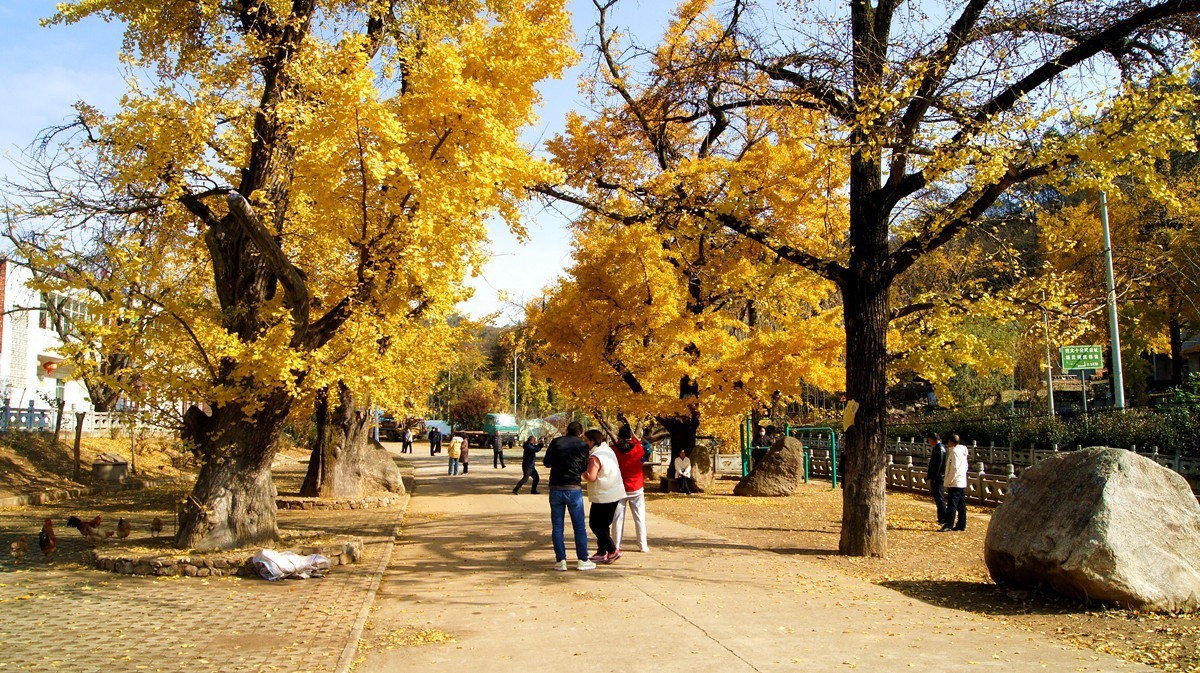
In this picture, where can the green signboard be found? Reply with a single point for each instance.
(1082, 357)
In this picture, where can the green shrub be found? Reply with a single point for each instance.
(1175, 426)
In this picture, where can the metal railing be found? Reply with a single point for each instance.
(993, 467)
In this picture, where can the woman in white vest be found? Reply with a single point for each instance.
(605, 491)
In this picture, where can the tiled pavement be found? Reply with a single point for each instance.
(64, 617)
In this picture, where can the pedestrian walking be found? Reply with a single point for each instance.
(630, 454)
(407, 439)
(567, 458)
(956, 485)
(454, 452)
(497, 452)
(464, 453)
(529, 452)
(435, 441)
(936, 475)
(683, 472)
(605, 492)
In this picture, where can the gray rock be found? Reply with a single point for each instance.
(779, 473)
(1102, 525)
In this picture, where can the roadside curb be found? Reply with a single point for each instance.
(47, 497)
(346, 659)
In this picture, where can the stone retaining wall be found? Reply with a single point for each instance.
(341, 551)
(46, 497)
(368, 502)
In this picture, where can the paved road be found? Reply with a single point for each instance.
(74, 620)
(473, 564)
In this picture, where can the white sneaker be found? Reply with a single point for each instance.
(584, 565)
(645, 550)
(561, 566)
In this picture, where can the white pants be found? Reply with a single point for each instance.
(637, 501)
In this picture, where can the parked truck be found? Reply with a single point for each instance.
(504, 425)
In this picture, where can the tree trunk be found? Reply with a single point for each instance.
(1176, 329)
(864, 464)
(346, 461)
(682, 431)
(233, 502)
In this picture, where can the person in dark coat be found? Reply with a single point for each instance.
(435, 441)
(567, 458)
(529, 464)
(497, 452)
(935, 476)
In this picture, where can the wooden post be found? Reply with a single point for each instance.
(57, 424)
(78, 438)
(133, 444)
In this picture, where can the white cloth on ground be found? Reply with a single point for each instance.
(276, 565)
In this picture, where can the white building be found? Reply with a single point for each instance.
(32, 372)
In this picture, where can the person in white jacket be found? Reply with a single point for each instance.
(956, 485)
(605, 491)
(683, 472)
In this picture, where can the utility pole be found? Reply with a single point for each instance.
(514, 382)
(1118, 376)
(1049, 362)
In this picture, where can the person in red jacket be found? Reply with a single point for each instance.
(630, 453)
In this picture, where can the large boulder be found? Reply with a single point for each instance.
(1103, 525)
(779, 473)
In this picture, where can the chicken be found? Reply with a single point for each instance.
(156, 526)
(19, 547)
(123, 528)
(90, 530)
(47, 540)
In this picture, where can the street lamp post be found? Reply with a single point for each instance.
(1118, 380)
(1049, 362)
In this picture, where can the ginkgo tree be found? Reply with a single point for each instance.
(665, 312)
(1155, 241)
(689, 331)
(938, 111)
(311, 166)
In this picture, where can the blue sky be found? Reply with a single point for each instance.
(43, 71)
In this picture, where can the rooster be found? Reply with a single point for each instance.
(19, 547)
(156, 526)
(90, 530)
(123, 528)
(47, 540)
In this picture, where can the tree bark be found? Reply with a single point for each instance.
(683, 430)
(864, 465)
(346, 461)
(1176, 335)
(233, 501)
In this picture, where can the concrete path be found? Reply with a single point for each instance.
(474, 562)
